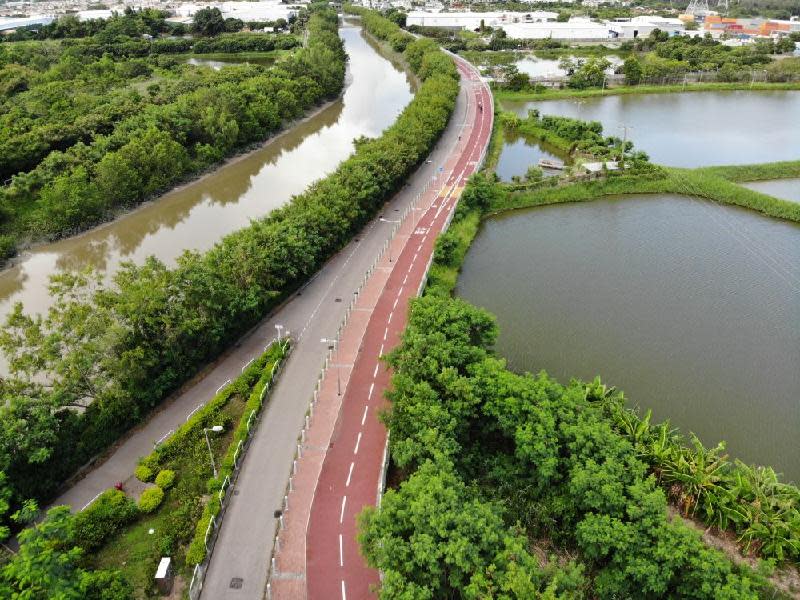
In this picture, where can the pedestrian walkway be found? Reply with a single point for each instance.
(342, 460)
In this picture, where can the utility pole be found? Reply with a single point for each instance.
(624, 128)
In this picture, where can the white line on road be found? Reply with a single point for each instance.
(341, 514)
(222, 386)
(385, 333)
(395, 303)
(364, 416)
(405, 279)
(341, 557)
(380, 352)
(92, 500)
(391, 314)
(371, 386)
(194, 410)
(350, 474)
(375, 373)
(358, 442)
(344, 596)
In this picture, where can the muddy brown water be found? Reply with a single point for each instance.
(197, 215)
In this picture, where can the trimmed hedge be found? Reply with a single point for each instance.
(144, 473)
(151, 499)
(165, 479)
(269, 362)
(103, 518)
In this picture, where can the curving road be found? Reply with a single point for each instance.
(243, 549)
(318, 555)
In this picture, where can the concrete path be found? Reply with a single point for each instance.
(245, 542)
(342, 464)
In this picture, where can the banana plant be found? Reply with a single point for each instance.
(775, 538)
(662, 450)
(701, 473)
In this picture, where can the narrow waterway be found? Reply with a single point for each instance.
(197, 215)
(787, 189)
(691, 308)
(692, 129)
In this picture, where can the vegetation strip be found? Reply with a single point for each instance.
(517, 486)
(154, 327)
(116, 542)
(97, 125)
(751, 502)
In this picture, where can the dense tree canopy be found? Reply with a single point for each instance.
(121, 349)
(505, 469)
(89, 126)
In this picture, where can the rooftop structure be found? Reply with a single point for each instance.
(643, 26)
(473, 20)
(572, 30)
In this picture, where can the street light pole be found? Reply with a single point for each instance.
(215, 429)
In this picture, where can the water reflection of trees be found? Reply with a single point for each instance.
(226, 186)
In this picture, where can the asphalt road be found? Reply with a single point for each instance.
(245, 541)
(353, 464)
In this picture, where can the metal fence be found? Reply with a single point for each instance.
(212, 531)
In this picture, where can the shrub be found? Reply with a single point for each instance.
(144, 473)
(151, 499)
(8, 247)
(104, 517)
(165, 479)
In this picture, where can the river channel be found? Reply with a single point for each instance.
(691, 308)
(197, 215)
(693, 129)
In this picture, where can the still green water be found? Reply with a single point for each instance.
(786, 189)
(693, 129)
(689, 307)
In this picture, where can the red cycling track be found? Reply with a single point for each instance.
(350, 469)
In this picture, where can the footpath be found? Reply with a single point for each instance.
(341, 460)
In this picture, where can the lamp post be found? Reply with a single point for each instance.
(332, 346)
(215, 429)
(390, 241)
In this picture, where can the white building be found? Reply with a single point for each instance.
(643, 26)
(246, 11)
(473, 20)
(11, 23)
(583, 30)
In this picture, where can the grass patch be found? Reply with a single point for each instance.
(557, 94)
(446, 265)
(692, 182)
(760, 172)
(135, 551)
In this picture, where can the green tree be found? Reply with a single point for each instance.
(208, 21)
(632, 69)
(47, 566)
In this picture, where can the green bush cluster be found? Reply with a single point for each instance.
(264, 367)
(505, 468)
(104, 517)
(155, 326)
(68, 164)
(165, 479)
(144, 473)
(151, 499)
(751, 501)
